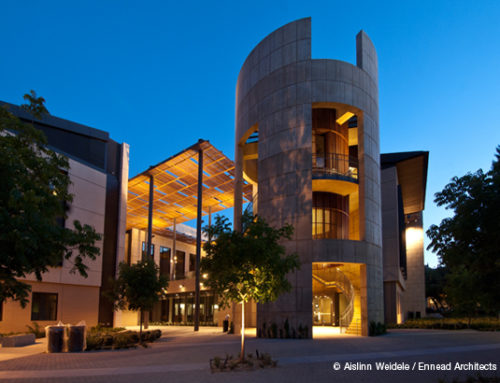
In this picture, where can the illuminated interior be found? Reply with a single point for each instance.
(335, 167)
(336, 296)
(250, 144)
(414, 237)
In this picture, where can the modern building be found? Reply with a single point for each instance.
(195, 183)
(98, 172)
(307, 154)
(404, 179)
(307, 140)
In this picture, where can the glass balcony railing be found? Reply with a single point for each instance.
(332, 164)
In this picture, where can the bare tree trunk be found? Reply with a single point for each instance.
(140, 327)
(242, 352)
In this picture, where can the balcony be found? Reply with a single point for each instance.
(335, 166)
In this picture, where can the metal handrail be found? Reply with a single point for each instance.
(343, 283)
(335, 164)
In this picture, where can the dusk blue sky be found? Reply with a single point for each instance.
(161, 74)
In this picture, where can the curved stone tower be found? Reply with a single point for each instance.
(307, 139)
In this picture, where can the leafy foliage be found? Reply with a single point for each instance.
(480, 323)
(434, 286)
(468, 243)
(35, 106)
(118, 338)
(247, 265)
(33, 197)
(138, 287)
(261, 360)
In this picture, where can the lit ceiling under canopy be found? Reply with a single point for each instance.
(176, 189)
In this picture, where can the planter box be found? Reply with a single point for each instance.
(18, 340)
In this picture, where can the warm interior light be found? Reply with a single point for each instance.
(414, 236)
(205, 276)
(344, 117)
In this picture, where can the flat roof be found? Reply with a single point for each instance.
(176, 189)
(56, 122)
(412, 177)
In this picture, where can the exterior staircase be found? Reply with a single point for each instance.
(339, 280)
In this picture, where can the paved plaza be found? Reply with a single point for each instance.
(182, 356)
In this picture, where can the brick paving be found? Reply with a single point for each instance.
(181, 355)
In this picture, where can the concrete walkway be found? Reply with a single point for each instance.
(182, 356)
(7, 353)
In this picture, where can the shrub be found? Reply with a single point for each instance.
(261, 360)
(480, 324)
(94, 341)
(125, 340)
(36, 329)
(274, 330)
(286, 327)
(117, 340)
(190, 323)
(107, 341)
(105, 329)
(376, 328)
(156, 334)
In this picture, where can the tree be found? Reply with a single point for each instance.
(468, 244)
(434, 286)
(247, 265)
(36, 105)
(138, 287)
(34, 201)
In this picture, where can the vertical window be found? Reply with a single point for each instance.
(180, 264)
(44, 306)
(165, 261)
(144, 249)
(320, 151)
(192, 262)
(330, 216)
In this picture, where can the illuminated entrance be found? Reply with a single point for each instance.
(336, 298)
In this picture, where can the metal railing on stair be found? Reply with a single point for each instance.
(338, 279)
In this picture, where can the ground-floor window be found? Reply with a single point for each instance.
(180, 308)
(44, 306)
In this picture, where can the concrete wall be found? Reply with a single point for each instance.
(409, 292)
(74, 304)
(88, 187)
(394, 283)
(78, 297)
(390, 218)
(277, 87)
(272, 91)
(135, 237)
(414, 297)
(122, 214)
